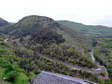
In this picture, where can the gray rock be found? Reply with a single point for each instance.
(53, 78)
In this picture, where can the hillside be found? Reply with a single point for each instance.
(31, 24)
(3, 22)
(39, 43)
(89, 30)
(45, 33)
(28, 25)
(103, 53)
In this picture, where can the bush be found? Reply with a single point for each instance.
(21, 79)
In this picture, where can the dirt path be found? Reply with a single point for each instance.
(74, 67)
(100, 69)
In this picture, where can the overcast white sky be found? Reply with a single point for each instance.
(84, 11)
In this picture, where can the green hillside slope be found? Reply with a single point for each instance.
(39, 43)
(89, 30)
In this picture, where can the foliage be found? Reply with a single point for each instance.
(41, 44)
(103, 54)
(21, 79)
(88, 30)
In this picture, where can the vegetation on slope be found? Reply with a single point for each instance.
(103, 53)
(9, 67)
(40, 43)
(89, 30)
(18, 65)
